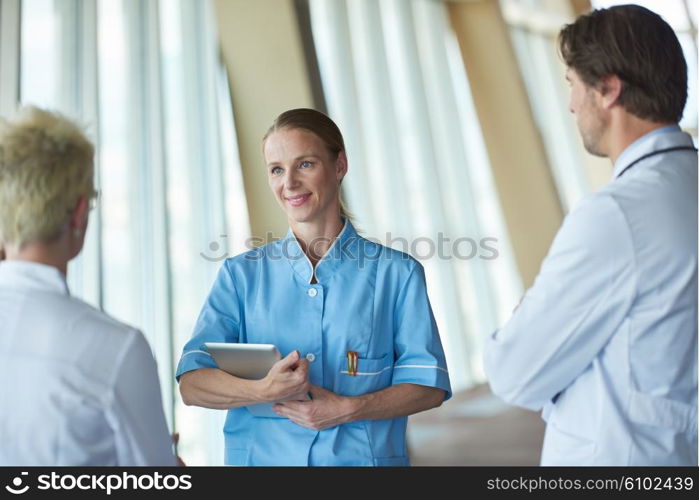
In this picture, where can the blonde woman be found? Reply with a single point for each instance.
(78, 387)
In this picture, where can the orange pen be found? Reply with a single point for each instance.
(352, 362)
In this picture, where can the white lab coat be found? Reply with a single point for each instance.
(606, 338)
(78, 388)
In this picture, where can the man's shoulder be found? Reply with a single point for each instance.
(596, 221)
(597, 207)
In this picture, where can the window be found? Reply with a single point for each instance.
(533, 30)
(419, 179)
(534, 27)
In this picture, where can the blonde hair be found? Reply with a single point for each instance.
(46, 166)
(321, 125)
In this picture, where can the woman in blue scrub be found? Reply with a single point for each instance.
(322, 295)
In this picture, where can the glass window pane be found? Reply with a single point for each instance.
(408, 179)
(40, 53)
(119, 251)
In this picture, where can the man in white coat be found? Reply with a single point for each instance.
(77, 387)
(605, 341)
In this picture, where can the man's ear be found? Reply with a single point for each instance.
(610, 87)
(341, 165)
(78, 218)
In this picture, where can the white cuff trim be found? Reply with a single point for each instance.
(193, 352)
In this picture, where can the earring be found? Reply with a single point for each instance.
(77, 233)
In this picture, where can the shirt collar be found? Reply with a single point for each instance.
(660, 138)
(25, 274)
(327, 264)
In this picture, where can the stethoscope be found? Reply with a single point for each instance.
(660, 151)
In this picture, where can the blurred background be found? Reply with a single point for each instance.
(455, 115)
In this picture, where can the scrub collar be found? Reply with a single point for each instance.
(327, 265)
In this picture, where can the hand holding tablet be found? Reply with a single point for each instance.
(287, 378)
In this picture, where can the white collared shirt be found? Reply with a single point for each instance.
(606, 338)
(78, 387)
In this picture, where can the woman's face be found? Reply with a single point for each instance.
(303, 175)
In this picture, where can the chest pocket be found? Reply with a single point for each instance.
(373, 374)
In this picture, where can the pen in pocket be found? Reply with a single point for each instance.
(352, 362)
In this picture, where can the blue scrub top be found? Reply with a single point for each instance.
(368, 298)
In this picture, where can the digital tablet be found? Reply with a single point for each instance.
(248, 361)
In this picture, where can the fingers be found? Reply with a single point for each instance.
(303, 413)
(288, 362)
(304, 389)
(286, 406)
(281, 409)
(299, 417)
(301, 376)
(287, 377)
(293, 410)
(297, 421)
(302, 368)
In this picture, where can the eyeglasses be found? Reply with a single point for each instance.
(93, 200)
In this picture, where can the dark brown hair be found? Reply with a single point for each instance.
(640, 48)
(321, 125)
